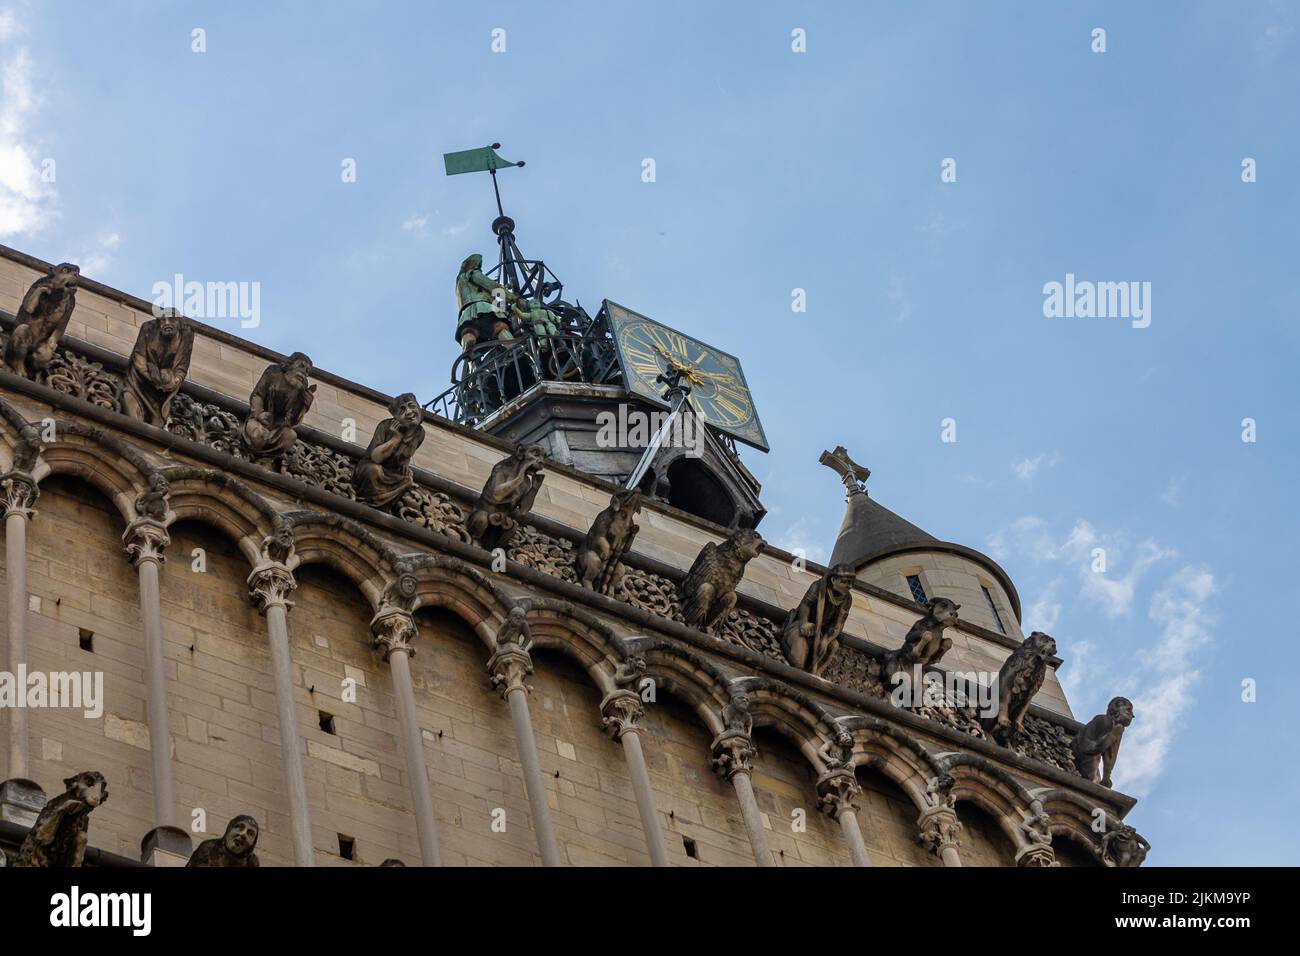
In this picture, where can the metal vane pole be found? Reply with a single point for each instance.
(676, 394)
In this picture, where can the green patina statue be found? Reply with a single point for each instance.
(532, 314)
(478, 319)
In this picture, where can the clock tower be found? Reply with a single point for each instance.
(619, 396)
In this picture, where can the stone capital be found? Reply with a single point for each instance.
(938, 828)
(144, 540)
(270, 585)
(621, 711)
(393, 630)
(838, 792)
(731, 753)
(509, 665)
(1036, 854)
(18, 492)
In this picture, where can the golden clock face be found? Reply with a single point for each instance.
(719, 394)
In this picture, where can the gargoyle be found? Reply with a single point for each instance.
(1098, 742)
(811, 633)
(1123, 846)
(384, 474)
(41, 321)
(925, 643)
(599, 558)
(58, 838)
(515, 630)
(233, 848)
(277, 406)
(708, 591)
(159, 363)
(153, 502)
(1019, 679)
(506, 497)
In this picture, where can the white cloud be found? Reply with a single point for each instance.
(24, 197)
(798, 538)
(416, 223)
(456, 230)
(96, 261)
(1027, 468)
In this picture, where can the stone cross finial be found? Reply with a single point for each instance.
(851, 473)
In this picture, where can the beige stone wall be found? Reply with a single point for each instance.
(466, 460)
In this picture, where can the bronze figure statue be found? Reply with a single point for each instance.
(41, 321)
(598, 562)
(160, 360)
(58, 838)
(233, 848)
(507, 496)
(1098, 741)
(277, 406)
(384, 474)
(811, 633)
(481, 306)
(1019, 679)
(708, 591)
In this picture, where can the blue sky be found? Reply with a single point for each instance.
(778, 170)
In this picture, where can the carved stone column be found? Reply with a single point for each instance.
(621, 712)
(939, 830)
(732, 755)
(837, 796)
(509, 665)
(269, 587)
(394, 632)
(144, 540)
(1036, 854)
(18, 492)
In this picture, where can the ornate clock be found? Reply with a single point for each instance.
(719, 394)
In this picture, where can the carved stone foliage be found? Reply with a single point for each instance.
(79, 377)
(319, 466)
(59, 835)
(206, 424)
(433, 510)
(234, 848)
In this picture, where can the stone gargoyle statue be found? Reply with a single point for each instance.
(1122, 845)
(1098, 742)
(58, 838)
(233, 848)
(277, 406)
(925, 643)
(160, 360)
(41, 321)
(507, 496)
(384, 474)
(599, 559)
(811, 633)
(708, 591)
(1019, 679)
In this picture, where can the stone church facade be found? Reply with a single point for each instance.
(370, 683)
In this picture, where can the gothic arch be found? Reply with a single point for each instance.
(687, 675)
(790, 712)
(558, 625)
(440, 580)
(359, 555)
(894, 754)
(1072, 817)
(982, 782)
(119, 470)
(223, 502)
(20, 443)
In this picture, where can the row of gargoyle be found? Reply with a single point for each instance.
(59, 836)
(283, 395)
